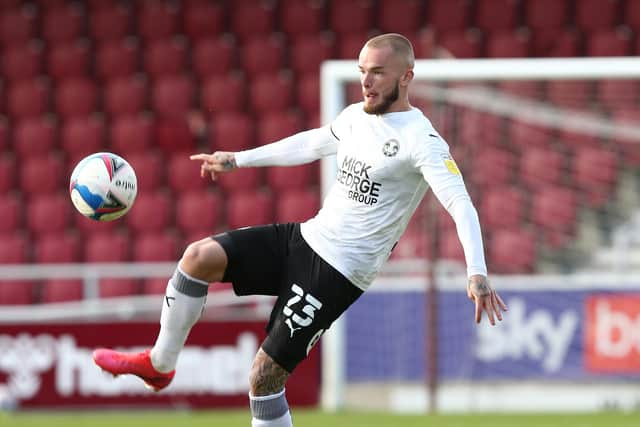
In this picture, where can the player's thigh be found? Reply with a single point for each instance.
(205, 259)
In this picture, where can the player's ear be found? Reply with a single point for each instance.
(406, 78)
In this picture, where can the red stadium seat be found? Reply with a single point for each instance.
(243, 179)
(76, 97)
(155, 247)
(557, 43)
(69, 60)
(496, 15)
(609, 43)
(501, 171)
(15, 248)
(173, 96)
(309, 51)
(596, 14)
(42, 175)
(89, 227)
(400, 17)
(158, 20)
(449, 246)
(183, 174)
(18, 26)
(174, 134)
(463, 44)
(271, 92)
(263, 54)
(595, 172)
(166, 57)
(213, 56)
(513, 252)
(22, 61)
(348, 45)
(17, 292)
(154, 286)
(49, 213)
(351, 16)
(203, 19)
(4, 136)
(224, 93)
(110, 23)
(198, 210)
(541, 166)
(301, 177)
(304, 17)
(35, 136)
(8, 172)
(523, 134)
(618, 94)
(297, 205)
(480, 129)
(28, 98)
(150, 167)
(11, 213)
(554, 212)
(573, 139)
(503, 208)
(63, 24)
(117, 287)
(132, 134)
(247, 208)
(545, 14)
(629, 149)
(57, 248)
(107, 247)
(231, 132)
(126, 96)
(508, 44)
(61, 290)
(251, 18)
(414, 243)
(308, 93)
(521, 88)
(277, 125)
(151, 212)
(569, 93)
(118, 58)
(449, 15)
(631, 14)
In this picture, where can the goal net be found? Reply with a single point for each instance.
(550, 152)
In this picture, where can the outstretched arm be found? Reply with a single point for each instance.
(303, 147)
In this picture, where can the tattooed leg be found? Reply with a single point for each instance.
(266, 377)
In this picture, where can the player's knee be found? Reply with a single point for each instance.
(204, 259)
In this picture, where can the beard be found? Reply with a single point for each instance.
(386, 103)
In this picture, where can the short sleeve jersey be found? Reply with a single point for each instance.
(385, 164)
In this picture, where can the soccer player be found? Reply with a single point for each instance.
(388, 155)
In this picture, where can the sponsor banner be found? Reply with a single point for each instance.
(546, 335)
(50, 365)
(613, 333)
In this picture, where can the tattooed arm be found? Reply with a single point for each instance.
(216, 163)
(486, 298)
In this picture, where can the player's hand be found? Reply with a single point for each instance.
(486, 299)
(216, 163)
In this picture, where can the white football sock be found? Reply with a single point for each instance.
(270, 411)
(182, 307)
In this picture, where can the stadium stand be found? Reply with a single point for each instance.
(130, 77)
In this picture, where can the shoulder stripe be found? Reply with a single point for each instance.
(333, 133)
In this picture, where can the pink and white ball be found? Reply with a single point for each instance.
(103, 186)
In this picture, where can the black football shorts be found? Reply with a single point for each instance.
(276, 260)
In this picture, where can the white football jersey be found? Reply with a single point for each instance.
(385, 163)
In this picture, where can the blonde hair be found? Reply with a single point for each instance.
(398, 43)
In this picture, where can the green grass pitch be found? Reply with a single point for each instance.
(304, 418)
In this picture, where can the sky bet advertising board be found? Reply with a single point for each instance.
(561, 335)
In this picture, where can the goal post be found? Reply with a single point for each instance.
(475, 85)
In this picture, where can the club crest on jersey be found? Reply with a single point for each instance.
(390, 148)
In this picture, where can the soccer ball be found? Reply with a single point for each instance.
(103, 186)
